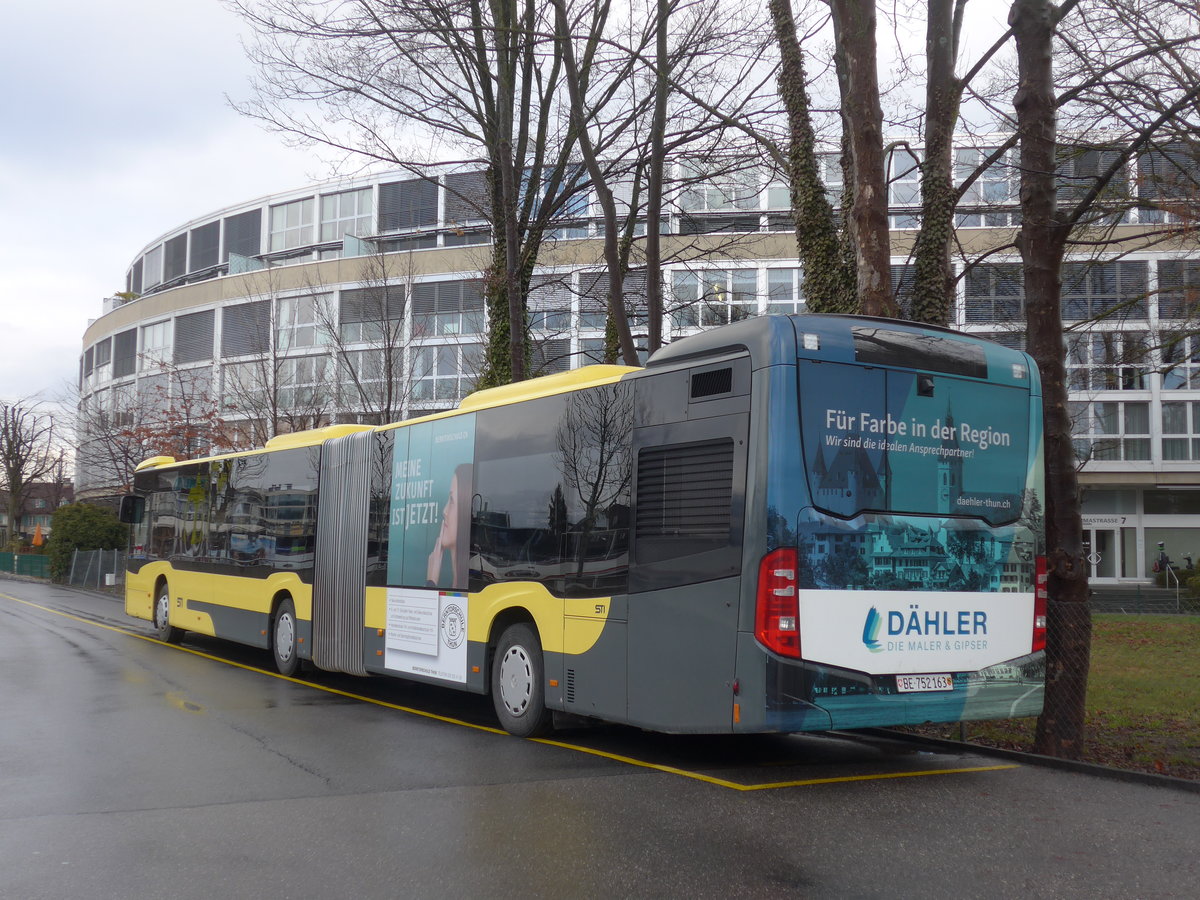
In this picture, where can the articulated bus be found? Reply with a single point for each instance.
(791, 523)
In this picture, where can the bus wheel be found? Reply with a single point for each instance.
(518, 683)
(163, 629)
(283, 638)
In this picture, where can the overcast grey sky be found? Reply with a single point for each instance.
(114, 128)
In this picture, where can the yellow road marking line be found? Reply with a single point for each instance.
(604, 754)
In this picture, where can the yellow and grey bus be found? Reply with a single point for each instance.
(791, 523)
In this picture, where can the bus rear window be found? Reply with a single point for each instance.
(929, 352)
(878, 440)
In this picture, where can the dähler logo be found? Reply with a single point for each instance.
(871, 630)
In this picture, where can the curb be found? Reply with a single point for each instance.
(1048, 762)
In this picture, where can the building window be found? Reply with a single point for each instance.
(442, 308)
(983, 204)
(156, 345)
(549, 356)
(1180, 361)
(243, 234)
(466, 197)
(348, 212)
(205, 246)
(1112, 431)
(1079, 169)
(783, 292)
(408, 204)
(994, 294)
(1180, 430)
(246, 328)
(243, 388)
(103, 359)
(445, 374)
(302, 322)
(904, 187)
(713, 297)
(1108, 361)
(303, 383)
(193, 339)
(363, 312)
(594, 290)
(592, 350)
(1178, 288)
(292, 225)
(1116, 290)
(553, 321)
(724, 194)
(727, 192)
(175, 257)
(365, 376)
(1167, 179)
(152, 272)
(125, 353)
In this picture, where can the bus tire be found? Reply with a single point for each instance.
(283, 638)
(163, 629)
(518, 682)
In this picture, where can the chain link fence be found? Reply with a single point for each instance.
(101, 570)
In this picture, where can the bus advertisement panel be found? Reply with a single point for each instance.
(428, 545)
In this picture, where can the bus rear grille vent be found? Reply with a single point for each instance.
(570, 685)
(709, 384)
(685, 491)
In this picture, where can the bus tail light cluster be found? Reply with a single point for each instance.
(777, 610)
(1041, 597)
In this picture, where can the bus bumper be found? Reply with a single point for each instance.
(812, 697)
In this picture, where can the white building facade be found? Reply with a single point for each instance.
(294, 303)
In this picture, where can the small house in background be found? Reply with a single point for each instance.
(41, 499)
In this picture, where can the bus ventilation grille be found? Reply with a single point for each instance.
(709, 384)
(570, 685)
(685, 491)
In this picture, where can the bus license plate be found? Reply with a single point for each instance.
(912, 683)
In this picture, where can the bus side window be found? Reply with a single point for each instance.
(133, 508)
(551, 504)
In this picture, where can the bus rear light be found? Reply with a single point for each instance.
(1041, 597)
(777, 609)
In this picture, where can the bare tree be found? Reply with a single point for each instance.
(29, 453)
(368, 339)
(474, 81)
(285, 381)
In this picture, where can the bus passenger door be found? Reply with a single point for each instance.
(685, 573)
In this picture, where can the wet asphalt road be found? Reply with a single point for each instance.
(132, 769)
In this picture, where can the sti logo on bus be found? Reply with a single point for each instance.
(927, 623)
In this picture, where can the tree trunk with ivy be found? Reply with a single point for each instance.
(1042, 242)
(829, 282)
(933, 282)
(504, 305)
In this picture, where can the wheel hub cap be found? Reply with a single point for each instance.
(516, 680)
